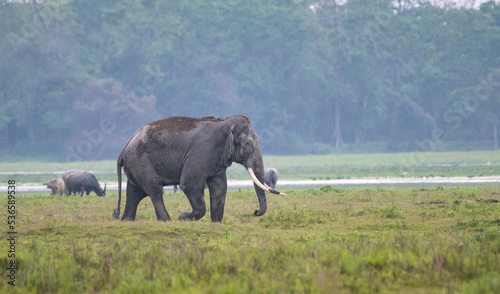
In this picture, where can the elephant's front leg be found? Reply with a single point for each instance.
(196, 197)
(217, 186)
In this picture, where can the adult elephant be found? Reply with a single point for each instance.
(189, 152)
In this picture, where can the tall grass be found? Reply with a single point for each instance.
(328, 240)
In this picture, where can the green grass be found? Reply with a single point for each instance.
(327, 240)
(46, 171)
(478, 163)
(469, 164)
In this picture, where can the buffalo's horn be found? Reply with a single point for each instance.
(258, 183)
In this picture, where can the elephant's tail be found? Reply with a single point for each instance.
(119, 165)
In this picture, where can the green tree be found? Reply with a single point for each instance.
(37, 70)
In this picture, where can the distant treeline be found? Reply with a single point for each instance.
(77, 78)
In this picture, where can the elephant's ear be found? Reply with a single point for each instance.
(228, 148)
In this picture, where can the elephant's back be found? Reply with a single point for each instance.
(175, 128)
(179, 124)
(138, 138)
(147, 143)
(172, 133)
(165, 140)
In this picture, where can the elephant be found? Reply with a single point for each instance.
(176, 187)
(189, 152)
(57, 186)
(271, 177)
(78, 181)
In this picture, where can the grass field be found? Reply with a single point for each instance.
(468, 164)
(322, 240)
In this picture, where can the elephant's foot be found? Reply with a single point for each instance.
(259, 213)
(187, 216)
(163, 219)
(217, 216)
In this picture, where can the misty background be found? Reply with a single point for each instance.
(78, 78)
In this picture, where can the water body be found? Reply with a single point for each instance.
(286, 184)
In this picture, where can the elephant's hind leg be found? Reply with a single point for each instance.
(134, 196)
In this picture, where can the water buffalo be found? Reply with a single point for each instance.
(57, 186)
(271, 177)
(78, 181)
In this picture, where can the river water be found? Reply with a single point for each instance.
(287, 184)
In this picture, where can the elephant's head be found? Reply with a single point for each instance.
(243, 147)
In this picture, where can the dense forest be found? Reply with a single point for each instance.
(77, 78)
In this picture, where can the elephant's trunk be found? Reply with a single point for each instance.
(260, 189)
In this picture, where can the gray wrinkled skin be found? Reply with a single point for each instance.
(189, 152)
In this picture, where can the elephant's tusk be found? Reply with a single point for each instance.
(263, 187)
(255, 180)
